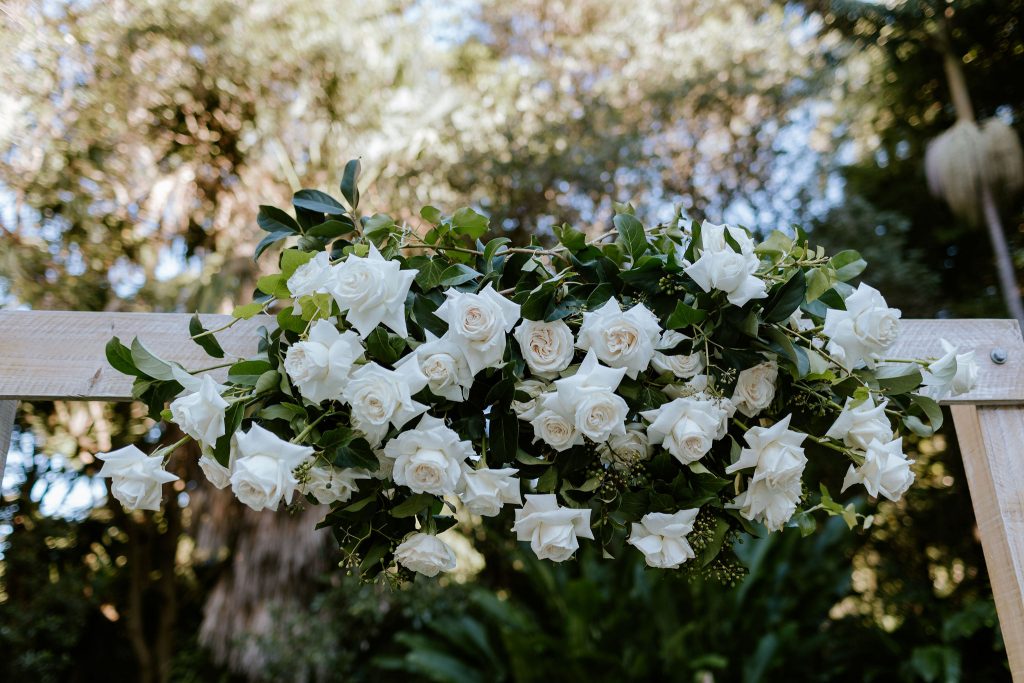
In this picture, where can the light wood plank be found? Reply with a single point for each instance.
(59, 354)
(7, 411)
(47, 355)
(990, 443)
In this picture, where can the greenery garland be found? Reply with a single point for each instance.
(663, 387)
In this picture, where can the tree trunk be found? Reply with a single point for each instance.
(965, 112)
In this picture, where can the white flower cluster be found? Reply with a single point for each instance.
(567, 402)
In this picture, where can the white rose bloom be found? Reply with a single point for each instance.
(527, 410)
(263, 470)
(778, 460)
(683, 366)
(588, 400)
(547, 347)
(670, 339)
(380, 397)
(312, 277)
(429, 458)
(478, 323)
(426, 554)
(371, 291)
(216, 474)
(885, 472)
(555, 431)
(445, 367)
(486, 490)
(662, 538)
(755, 388)
(622, 451)
(331, 485)
(622, 339)
(953, 374)
(859, 425)
(865, 329)
(201, 414)
(685, 427)
(320, 365)
(136, 479)
(552, 531)
(719, 267)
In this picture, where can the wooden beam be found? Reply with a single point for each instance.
(59, 354)
(53, 355)
(7, 411)
(990, 443)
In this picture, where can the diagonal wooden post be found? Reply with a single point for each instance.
(59, 355)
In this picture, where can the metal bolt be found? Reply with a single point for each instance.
(999, 355)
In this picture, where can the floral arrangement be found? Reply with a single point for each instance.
(663, 387)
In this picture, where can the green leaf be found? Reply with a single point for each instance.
(269, 240)
(276, 285)
(379, 345)
(423, 312)
(378, 225)
(847, 265)
(468, 222)
(899, 378)
(429, 273)
(120, 357)
(457, 274)
(349, 180)
(412, 505)
(247, 311)
(683, 316)
(206, 340)
(571, 238)
(331, 229)
(248, 372)
(631, 232)
(291, 259)
(149, 364)
(504, 437)
(931, 412)
(714, 546)
(819, 281)
(317, 201)
(273, 219)
(431, 214)
(786, 299)
(267, 381)
(492, 249)
(527, 459)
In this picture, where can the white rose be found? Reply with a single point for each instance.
(866, 328)
(547, 347)
(555, 431)
(885, 472)
(686, 427)
(531, 408)
(320, 365)
(953, 374)
(371, 291)
(426, 554)
(201, 414)
(263, 470)
(380, 397)
(858, 425)
(478, 323)
(755, 388)
(486, 490)
(683, 366)
(136, 479)
(670, 339)
(622, 451)
(720, 267)
(621, 339)
(445, 367)
(329, 485)
(429, 458)
(588, 400)
(778, 460)
(312, 277)
(216, 474)
(662, 538)
(552, 531)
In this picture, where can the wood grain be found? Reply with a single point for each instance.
(59, 354)
(990, 442)
(48, 355)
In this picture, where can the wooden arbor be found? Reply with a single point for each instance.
(56, 355)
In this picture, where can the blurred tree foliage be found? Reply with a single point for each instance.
(139, 137)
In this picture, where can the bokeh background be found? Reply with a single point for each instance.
(137, 139)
